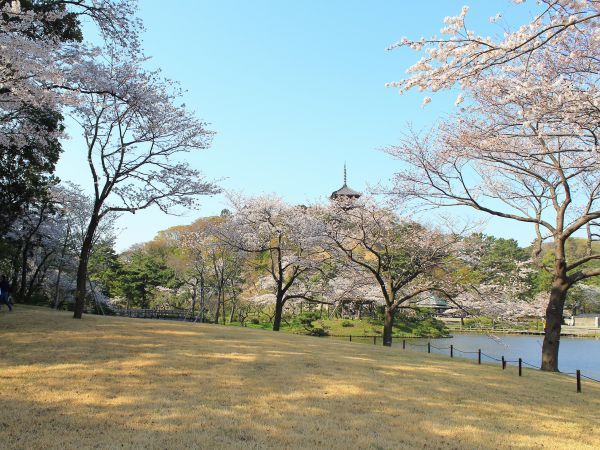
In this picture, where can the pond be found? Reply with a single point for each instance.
(574, 353)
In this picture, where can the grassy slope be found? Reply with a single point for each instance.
(102, 382)
(360, 327)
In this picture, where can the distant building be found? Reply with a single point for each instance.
(432, 302)
(345, 193)
(584, 321)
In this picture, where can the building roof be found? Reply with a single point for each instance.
(432, 301)
(345, 191)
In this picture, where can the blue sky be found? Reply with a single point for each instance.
(293, 90)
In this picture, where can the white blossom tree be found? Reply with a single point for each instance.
(41, 45)
(404, 258)
(135, 135)
(289, 236)
(524, 145)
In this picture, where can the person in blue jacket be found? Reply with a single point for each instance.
(5, 292)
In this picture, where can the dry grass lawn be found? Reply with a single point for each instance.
(115, 382)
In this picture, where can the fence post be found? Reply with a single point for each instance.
(503, 363)
(451, 351)
(350, 338)
(429, 347)
(403, 344)
(374, 340)
(479, 356)
(520, 367)
(578, 381)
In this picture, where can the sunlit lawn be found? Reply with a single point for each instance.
(109, 382)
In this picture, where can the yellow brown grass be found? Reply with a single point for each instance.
(105, 382)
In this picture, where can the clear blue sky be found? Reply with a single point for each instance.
(292, 89)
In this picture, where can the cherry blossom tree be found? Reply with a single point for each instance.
(46, 238)
(404, 258)
(524, 145)
(289, 237)
(135, 135)
(41, 44)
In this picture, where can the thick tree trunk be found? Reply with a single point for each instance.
(278, 314)
(388, 325)
(82, 269)
(554, 319)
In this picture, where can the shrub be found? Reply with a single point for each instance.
(306, 319)
(318, 332)
(347, 323)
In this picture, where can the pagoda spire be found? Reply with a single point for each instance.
(345, 192)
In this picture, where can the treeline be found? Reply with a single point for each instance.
(264, 258)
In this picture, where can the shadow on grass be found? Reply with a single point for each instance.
(103, 382)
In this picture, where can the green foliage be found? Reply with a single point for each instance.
(318, 331)
(142, 271)
(307, 317)
(478, 322)
(347, 323)
(106, 269)
(422, 325)
(575, 248)
(26, 171)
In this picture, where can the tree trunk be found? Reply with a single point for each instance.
(278, 313)
(15, 270)
(232, 314)
(233, 301)
(24, 264)
(194, 289)
(223, 298)
(218, 309)
(201, 299)
(61, 265)
(554, 319)
(82, 269)
(388, 325)
(32, 281)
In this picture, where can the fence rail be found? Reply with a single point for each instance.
(167, 314)
(480, 355)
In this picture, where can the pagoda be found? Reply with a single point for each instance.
(345, 193)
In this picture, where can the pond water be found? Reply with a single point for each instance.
(574, 353)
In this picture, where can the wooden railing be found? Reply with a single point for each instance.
(165, 314)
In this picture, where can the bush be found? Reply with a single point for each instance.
(254, 321)
(347, 323)
(306, 319)
(318, 332)
(478, 322)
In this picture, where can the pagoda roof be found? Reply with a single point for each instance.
(345, 191)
